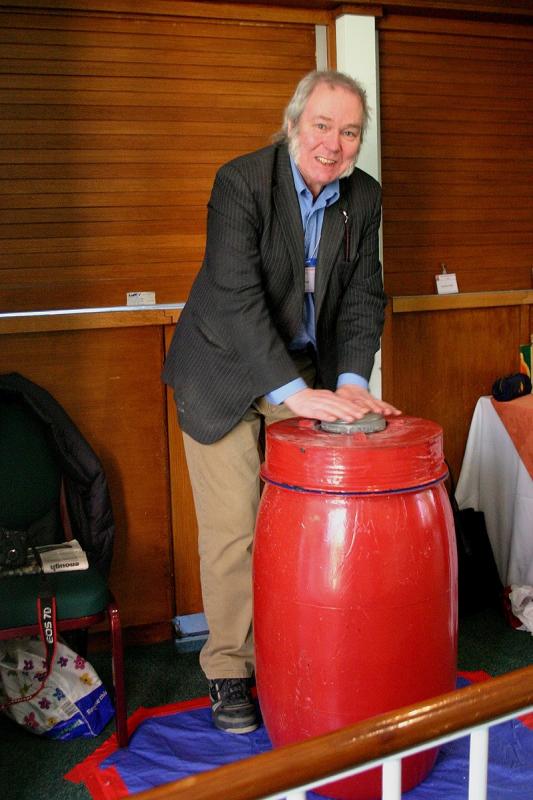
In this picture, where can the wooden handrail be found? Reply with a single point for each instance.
(325, 756)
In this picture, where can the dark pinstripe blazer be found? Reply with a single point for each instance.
(246, 304)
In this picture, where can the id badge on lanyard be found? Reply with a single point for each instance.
(310, 269)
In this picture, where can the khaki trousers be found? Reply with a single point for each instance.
(226, 489)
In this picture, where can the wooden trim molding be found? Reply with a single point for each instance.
(439, 302)
(175, 8)
(511, 8)
(80, 319)
(357, 10)
(85, 319)
(287, 11)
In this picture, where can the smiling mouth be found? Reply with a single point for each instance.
(327, 162)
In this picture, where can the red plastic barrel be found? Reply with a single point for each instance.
(355, 583)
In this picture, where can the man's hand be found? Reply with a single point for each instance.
(329, 406)
(365, 401)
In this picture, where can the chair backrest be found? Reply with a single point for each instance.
(30, 475)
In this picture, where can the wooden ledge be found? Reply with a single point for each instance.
(443, 302)
(87, 319)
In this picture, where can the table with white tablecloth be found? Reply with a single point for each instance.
(496, 479)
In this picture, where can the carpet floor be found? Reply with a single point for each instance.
(32, 768)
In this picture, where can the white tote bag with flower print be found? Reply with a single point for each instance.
(73, 701)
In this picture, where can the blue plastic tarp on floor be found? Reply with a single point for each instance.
(170, 746)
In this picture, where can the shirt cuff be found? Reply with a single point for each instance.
(278, 396)
(353, 378)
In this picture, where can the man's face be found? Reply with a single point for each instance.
(326, 141)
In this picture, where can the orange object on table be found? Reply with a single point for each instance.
(517, 417)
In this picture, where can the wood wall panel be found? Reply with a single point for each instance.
(112, 127)
(188, 591)
(113, 122)
(457, 173)
(108, 381)
(438, 363)
(457, 155)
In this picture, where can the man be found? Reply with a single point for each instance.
(289, 298)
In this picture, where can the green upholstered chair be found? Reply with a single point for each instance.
(31, 497)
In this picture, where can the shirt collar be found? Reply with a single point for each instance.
(329, 194)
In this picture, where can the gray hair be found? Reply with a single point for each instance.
(309, 82)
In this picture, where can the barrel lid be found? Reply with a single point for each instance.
(406, 454)
(369, 423)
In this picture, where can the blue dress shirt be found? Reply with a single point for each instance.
(312, 212)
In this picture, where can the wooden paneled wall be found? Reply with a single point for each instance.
(112, 126)
(440, 354)
(457, 153)
(105, 371)
(457, 173)
(113, 121)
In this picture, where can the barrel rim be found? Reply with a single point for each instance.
(368, 493)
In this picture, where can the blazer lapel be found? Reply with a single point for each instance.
(290, 218)
(331, 239)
